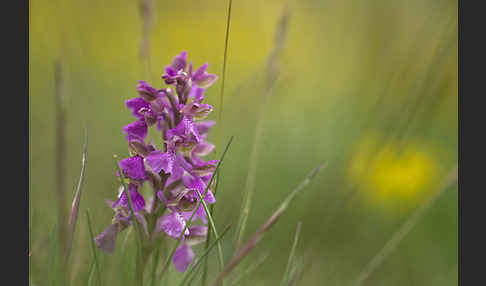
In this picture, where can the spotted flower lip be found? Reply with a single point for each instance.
(172, 224)
(175, 169)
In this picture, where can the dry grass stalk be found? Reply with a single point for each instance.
(398, 236)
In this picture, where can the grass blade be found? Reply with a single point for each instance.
(272, 76)
(264, 227)
(287, 275)
(73, 218)
(203, 256)
(220, 113)
(397, 237)
(208, 236)
(249, 270)
(93, 248)
(91, 273)
(155, 262)
(52, 274)
(213, 228)
(188, 223)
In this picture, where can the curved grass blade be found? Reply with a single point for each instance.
(188, 223)
(73, 218)
(287, 274)
(52, 274)
(203, 256)
(255, 238)
(220, 113)
(155, 261)
(208, 236)
(250, 269)
(213, 228)
(93, 248)
(398, 236)
(91, 273)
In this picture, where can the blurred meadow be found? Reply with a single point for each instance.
(368, 87)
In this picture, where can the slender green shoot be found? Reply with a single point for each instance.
(190, 272)
(93, 248)
(213, 228)
(155, 262)
(188, 223)
(407, 226)
(286, 277)
(257, 235)
(250, 270)
(52, 257)
(208, 236)
(91, 273)
(220, 113)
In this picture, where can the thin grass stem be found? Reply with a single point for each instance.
(249, 270)
(93, 248)
(286, 277)
(208, 236)
(220, 112)
(255, 238)
(203, 256)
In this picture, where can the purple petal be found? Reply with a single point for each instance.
(183, 257)
(200, 213)
(136, 104)
(203, 148)
(137, 129)
(204, 126)
(206, 80)
(197, 184)
(197, 93)
(200, 71)
(197, 234)
(133, 168)
(178, 63)
(198, 230)
(137, 199)
(146, 91)
(173, 224)
(157, 161)
(106, 240)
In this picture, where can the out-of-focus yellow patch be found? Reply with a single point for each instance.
(391, 174)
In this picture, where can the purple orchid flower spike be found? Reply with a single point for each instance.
(174, 170)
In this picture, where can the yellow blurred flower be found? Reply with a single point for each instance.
(389, 174)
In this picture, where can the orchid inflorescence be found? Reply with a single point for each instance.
(175, 171)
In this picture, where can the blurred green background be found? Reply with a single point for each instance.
(369, 87)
